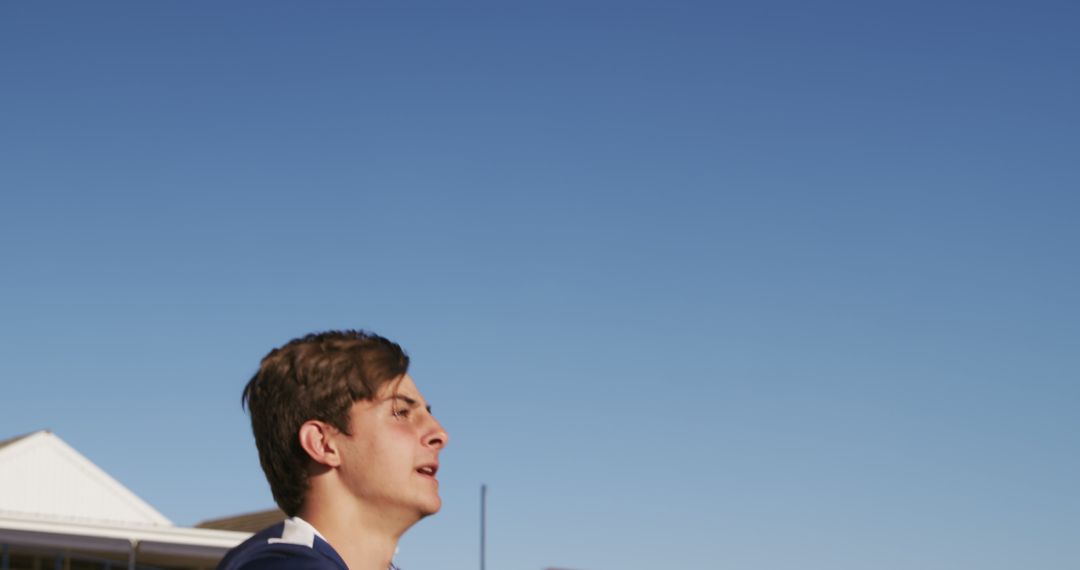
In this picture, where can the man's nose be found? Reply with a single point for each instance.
(438, 438)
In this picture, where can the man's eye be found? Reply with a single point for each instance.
(401, 413)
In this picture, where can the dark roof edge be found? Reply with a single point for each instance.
(6, 442)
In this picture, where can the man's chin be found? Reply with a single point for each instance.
(431, 508)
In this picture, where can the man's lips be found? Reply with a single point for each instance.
(428, 470)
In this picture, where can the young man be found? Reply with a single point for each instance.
(350, 449)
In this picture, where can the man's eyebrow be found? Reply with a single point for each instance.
(410, 401)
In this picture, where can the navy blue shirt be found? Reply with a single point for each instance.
(290, 545)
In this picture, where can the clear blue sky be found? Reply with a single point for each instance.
(755, 285)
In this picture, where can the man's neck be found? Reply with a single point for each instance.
(361, 544)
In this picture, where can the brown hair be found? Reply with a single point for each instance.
(315, 377)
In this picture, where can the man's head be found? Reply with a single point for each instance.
(316, 378)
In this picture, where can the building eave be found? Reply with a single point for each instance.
(112, 536)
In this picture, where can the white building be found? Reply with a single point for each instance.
(59, 511)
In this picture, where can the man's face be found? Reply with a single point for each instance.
(389, 461)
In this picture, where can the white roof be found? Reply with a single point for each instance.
(43, 478)
(178, 541)
(52, 497)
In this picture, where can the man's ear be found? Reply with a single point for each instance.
(317, 439)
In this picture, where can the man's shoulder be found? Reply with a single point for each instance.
(279, 559)
(282, 546)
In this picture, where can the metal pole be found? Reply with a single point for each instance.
(483, 524)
